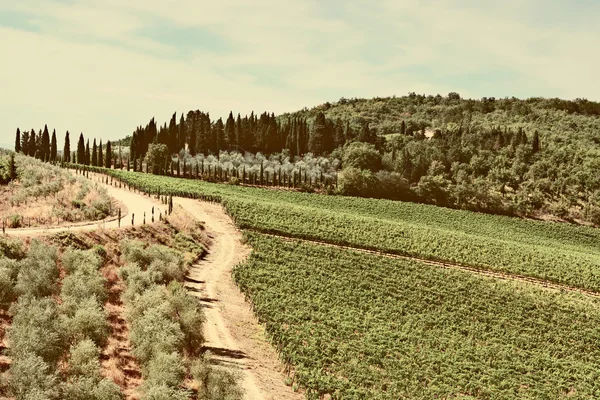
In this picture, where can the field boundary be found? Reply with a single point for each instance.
(441, 264)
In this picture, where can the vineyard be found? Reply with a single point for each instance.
(356, 326)
(561, 253)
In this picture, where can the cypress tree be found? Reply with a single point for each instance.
(53, 147)
(181, 134)
(25, 142)
(100, 157)
(191, 135)
(94, 154)
(18, 141)
(45, 151)
(67, 149)
(38, 145)
(230, 132)
(32, 144)
(81, 150)
(108, 155)
(172, 135)
(87, 153)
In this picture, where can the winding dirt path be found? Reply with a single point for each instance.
(232, 333)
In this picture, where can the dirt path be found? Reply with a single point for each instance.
(134, 204)
(232, 332)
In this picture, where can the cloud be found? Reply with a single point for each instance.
(105, 66)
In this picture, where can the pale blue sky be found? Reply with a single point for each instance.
(105, 66)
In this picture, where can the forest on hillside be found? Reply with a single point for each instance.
(534, 157)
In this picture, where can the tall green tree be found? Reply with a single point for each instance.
(67, 149)
(18, 141)
(100, 158)
(95, 154)
(181, 133)
(53, 147)
(38, 145)
(32, 147)
(230, 132)
(25, 143)
(318, 140)
(87, 152)
(108, 155)
(81, 150)
(45, 150)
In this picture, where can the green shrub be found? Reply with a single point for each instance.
(85, 320)
(35, 329)
(84, 360)
(163, 392)
(362, 156)
(215, 383)
(13, 267)
(15, 221)
(153, 298)
(38, 275)
(12, 248)
(354, 182)
(7, 287)
(84, 388)
(79, 286)
(30, 377)
(188, 313)
(137, 280)
(74, 260)
(165, 369)
(134, 252)
(166, 263)
(153, 333)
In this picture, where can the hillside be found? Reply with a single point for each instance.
(535, 157)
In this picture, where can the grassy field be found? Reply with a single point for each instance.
(359, 326)
(562, 253)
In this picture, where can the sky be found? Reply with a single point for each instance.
(103, 67)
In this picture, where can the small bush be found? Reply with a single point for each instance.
(188, 313)
(35, 329)
(83, 388)
(85, 320)
(154, 333)
(163, 392)
(74, 260)
(15, 221)
(215, 383)
(83, 360)
(134, 252)
(30, 377)
(12, 248)
(38, 275)
(165, 369)
(7, 288)
(137, 281)
(80, 286)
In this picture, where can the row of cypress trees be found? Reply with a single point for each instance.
(42, 147)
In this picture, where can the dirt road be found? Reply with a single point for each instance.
(232, 332)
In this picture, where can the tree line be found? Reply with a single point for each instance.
(266, 134)
(42, 147)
